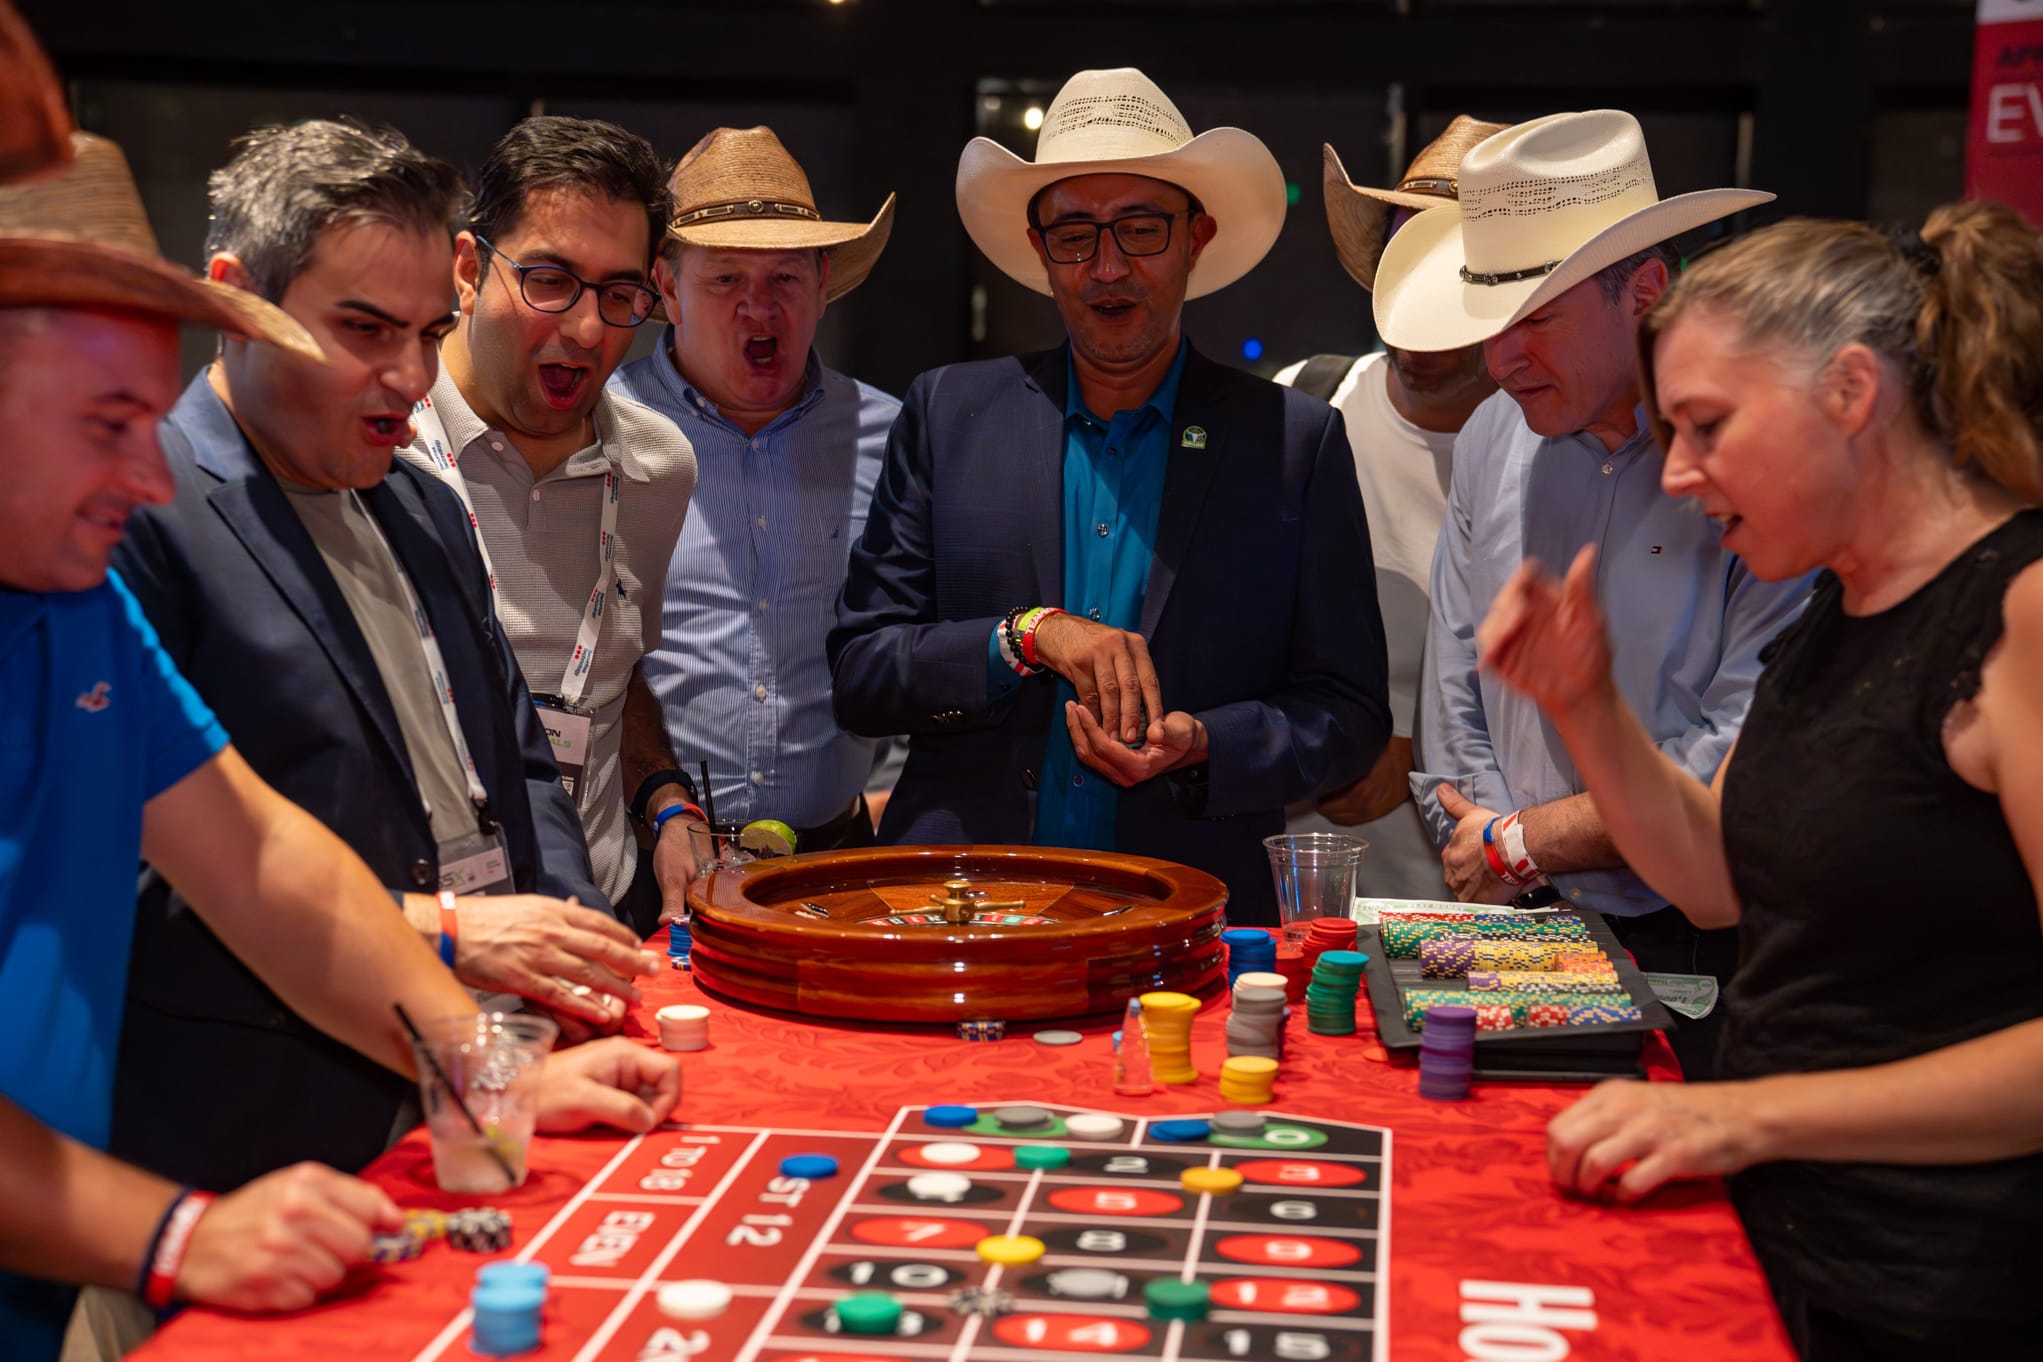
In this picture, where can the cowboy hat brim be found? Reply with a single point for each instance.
(57, 272)
(1356, 214)
(1421, 303)
(854, 248)
(1229, 171)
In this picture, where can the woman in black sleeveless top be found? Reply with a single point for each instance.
(1835, 397)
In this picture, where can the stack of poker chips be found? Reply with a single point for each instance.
(1327, 934)
(1501, 1011)
(1291, 964)
(1255, 1028)
(1447, 1053)
(1167, 1027)
(1250, 950)
(401, 1246)
(683, 1027)
(1544, 981)
(507, 1315)
(1330, 1001)
(479, 1229)
(982, 1030)
(1403, 939)
(680, 941)
(1248, 1079)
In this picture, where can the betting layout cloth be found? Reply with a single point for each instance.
(1306, 1258)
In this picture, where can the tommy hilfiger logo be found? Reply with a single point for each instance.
(94, 700)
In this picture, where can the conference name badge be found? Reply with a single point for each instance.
(567, 733)
(475, 864)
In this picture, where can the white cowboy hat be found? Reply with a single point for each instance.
(1119, 123)
(1543, 206)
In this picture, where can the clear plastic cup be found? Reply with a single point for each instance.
(493, 1060)
(717, 848)
(1315, 874)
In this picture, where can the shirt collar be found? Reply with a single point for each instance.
(687, 397)
(464, 426)
(1163, 401)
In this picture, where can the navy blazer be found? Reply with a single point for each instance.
(1260, 612)
(219, 1081)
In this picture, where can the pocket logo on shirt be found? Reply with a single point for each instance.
(94, 700)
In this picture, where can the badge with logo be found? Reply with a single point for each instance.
(1193, 438)
(567, 733)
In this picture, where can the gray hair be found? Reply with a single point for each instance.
(288, 184)
(1613, 279)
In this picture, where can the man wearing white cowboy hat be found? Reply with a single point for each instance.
(787, 451)
(127, 762)
(1112, 589)
(1549, 259)
(1402, 409)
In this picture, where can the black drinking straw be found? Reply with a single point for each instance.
(510, 1175)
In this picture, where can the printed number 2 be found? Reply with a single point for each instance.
(1291, 1347)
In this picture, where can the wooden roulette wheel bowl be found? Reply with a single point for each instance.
(954, 933)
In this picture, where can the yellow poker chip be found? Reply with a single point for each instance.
(1249, 1066)
(1213, 1181)
(1169, 1003)
(1012, 1250)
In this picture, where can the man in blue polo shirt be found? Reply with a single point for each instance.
(108, 756)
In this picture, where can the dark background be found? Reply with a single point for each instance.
(1842, 107)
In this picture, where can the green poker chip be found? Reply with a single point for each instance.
(1041, 1156)
(868, 1312)
(1169, 1298)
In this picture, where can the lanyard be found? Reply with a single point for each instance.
(447, 467)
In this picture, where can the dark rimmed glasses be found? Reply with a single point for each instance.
(1075, 242)
(549, 288)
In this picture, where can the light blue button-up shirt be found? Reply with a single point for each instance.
(1113, 493)
(740, 672)
(1686, 619)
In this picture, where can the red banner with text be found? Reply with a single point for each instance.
(2004, 142)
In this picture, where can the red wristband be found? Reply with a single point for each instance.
(175, 1236)
(1495, 857)
(1029, 635)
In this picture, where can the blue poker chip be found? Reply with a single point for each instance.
(950, 1117)
(1182, 1130)
(808, 1166)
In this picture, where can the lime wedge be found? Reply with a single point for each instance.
(768, 837)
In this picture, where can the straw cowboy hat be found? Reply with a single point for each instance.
(81, 239)
(1543, 206)
(1119, 123)
(1356, 215)
(738, 189)
(35, 127)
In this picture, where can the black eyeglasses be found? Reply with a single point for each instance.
(1074, 242)
(549, 288)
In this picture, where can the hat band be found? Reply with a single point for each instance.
(1430, 184)
(749, 208)
(1509, 276)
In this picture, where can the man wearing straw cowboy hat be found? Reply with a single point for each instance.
(1402, 409)
(1548, 260)
(124, 761)
(1112, 589)
(787, 451)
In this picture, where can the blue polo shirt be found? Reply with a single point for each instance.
(1113, 492)
(100, 723)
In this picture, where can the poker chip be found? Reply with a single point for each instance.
(810, 1166)
(1238, 1122)
(867, 1312)
(400, 1246)
(1009, 1250)
(985, 1301)
(948, 1187)
(699, 1298)
(949, 1153)
(1046, 1156)
(1087, 1284)
(1210, 1181)
(950, 1116)
(683, 1028)
(480, 1229)
(527, 1274)
(1181, 1131)
(1259, 979)
(1057, 1037)
(1094, 1125)
(506, 1317)
(1169, 1298)
(1022, 1118)
(982, 1030)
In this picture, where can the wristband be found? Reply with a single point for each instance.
(1028, 634)
(651, 785)
(660, 818)
(1498, 866)
(1512, 835)
(165, 1254)
(1006, 635)
(449, 927)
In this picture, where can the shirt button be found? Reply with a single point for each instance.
(758, 777)
(765, 604)
(535, 494)
(1104, 529)
(1093, 613)
(761, 522)
(497, 445)
(422, 874)
(1608, 469)
(1078, 779)
(758, 692)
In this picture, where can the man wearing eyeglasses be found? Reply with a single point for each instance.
(1119, 595)
(578, 492)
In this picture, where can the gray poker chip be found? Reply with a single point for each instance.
(1237, 1122)
(1087, 1284)
(1022, 1118)
(1057, 1038)
(1259, 997)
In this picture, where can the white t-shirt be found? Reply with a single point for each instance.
(1405, 473)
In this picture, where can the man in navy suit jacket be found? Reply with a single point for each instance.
(1122, 596)
(321, 599)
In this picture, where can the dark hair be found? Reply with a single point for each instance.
(1957, 310)
(1037, 197)
(585, 154)
(1613, 279)
(287, 184)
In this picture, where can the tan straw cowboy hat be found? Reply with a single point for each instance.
(739, 189)
(1542, 207)
(1356, 215)
(81, 239)
(1119, 123)
(35, 127)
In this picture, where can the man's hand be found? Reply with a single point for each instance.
(1462, 861)
(541, 948)
(614, 1082)
(1376, 794)
(284, 1240)
(1626, 1138)
(674, 866)
(1175, 740)
(1110, 668)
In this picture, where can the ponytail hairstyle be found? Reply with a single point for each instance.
(1957, 309)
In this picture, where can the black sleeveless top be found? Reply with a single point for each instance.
(1887, 913)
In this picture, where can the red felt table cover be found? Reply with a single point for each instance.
(1471, 1200)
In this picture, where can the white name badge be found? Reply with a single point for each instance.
(476, 864)
(567, 732)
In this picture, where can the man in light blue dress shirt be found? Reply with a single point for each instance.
(1549, 259)
(787, 452)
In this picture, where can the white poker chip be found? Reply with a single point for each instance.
(950, 1153)
(1238, 1122)
(939, 1186)
(1260, 979)
(697, 1299)
(1087, 1284)
(1057, 1037)
(1092, 1125)
(682, 1012)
